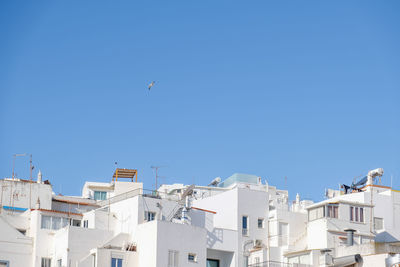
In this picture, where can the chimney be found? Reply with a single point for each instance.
(39, 177)
(37, 204)
(350, 236)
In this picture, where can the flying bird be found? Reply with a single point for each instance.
(151, 84)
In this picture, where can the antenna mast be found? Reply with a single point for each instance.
(156, 175)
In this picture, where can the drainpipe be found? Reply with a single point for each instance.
(350, 237)
(246, 253)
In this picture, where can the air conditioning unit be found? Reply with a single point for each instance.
(258, 243)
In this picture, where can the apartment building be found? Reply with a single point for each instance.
(240, 221)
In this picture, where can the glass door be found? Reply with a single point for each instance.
(212, 263)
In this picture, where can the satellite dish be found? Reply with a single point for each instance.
(215, 182)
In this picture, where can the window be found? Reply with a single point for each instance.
(316, 213)
(4, 263)
(115, 262)
(361, 214)
(332, 211)
(85, 223)
(378, 223)
(260, 223)
(356, 214)
(46, 222)
(100, 195)
(46, 262)
(76, 223)
(245, 225)
(351, 213)
(192, 257)
(53, 223)
(149, 216)
(59, 263)
(173, 258)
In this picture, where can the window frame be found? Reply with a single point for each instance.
(45, 262)
(262, 223)
(118, 261)
(332, 211)
(149, 216)
(103, 195)
(55, 222)
(357, 214)
(245, 230)
(194, 255)
(382, 222)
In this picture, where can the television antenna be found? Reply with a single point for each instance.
(155, 168)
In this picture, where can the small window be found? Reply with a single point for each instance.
(378, 223)
(332, 211)
(55, 223)
(59, 263)
(192, 257)
(46, 222)
(245, 225)
(85, 223)
(100, 195)
(260, 223)
(46, 262)
(115, 262)
(356, 214)
(351, 213)
(173, 258)
(149, 216)
(316, 213)
(76, 223)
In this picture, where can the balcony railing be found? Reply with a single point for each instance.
(277, 264)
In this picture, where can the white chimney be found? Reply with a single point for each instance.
(37, 204)
(39, 177)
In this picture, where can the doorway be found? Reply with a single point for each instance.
(212, 263)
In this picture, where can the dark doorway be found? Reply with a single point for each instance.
(212, 263)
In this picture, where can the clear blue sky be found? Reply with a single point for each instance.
(304, 89)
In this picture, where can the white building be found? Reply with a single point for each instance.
(238, 222)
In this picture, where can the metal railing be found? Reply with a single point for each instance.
(245, 232)
(126, 195)
(277, 264)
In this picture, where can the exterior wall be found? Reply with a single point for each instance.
(226, 207)
(123, 187)
(25, 194)
(146, 240)
(154, 239)
(15, 247)
(81, 241)
(182, 238)
(317, 236)
(226, 259)
(103, 258)
(255, 205)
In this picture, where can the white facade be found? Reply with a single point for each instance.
(240, 222)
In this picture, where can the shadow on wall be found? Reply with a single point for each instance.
(214, 236)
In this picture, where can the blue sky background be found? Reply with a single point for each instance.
(309, 90)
